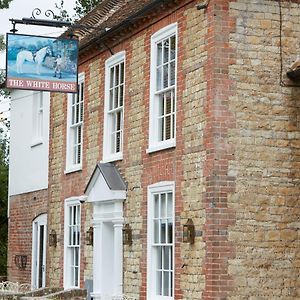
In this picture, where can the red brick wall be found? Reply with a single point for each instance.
(219, 152)
(23, 210)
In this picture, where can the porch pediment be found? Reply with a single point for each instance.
(105, 184)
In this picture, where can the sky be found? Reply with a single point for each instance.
(19, 9)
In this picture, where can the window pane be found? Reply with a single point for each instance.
(170, 205)
(116, 98)
(122, 72)
(159, 258)
(158, 283)
(159, 78)
(163, 205)
(166, 51)
(156, 206)
(163, 232)
(73, 115)
(173, 47)
(81, 92)
(76, 276)
(159, 54)
(118, 142)
(168, 100)
(121, 94)
(111, 99)
(170, 232)
(117, 78)
(74, 216)
(81, 111)
(166, 284)
(161, 106)
(161, 129)
(118, 127)
(70, 237)
(113, 142)
(166, 255)
(172, 73)
(77, 113)
(156, 232)
(111, 78)
(165, 76)
(168, 127)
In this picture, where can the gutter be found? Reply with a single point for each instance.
(123, 24)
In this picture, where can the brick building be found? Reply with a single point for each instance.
(185, 124)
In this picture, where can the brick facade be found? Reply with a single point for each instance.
(23, 209)
(236, 160)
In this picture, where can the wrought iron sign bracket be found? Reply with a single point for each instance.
(48, 22)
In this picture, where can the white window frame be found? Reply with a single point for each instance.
(108, 154)
(38, 118)
(154, 189)
(155, 144)
(68, 273)
(71, 129)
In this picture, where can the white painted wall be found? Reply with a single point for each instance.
(28, 159)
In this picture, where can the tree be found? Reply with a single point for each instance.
(82, 7)
(3, 202)
(4, 3)
(3, 172)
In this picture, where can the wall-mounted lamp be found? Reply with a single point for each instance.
(21, 261)
(189, 232)
(52, 238)
(89, 238)
(127, 235)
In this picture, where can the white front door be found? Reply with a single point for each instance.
(39, 238)
(108, 251)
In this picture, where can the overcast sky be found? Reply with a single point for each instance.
(19, 9)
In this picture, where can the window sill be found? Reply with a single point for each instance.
(73, 169)
(111, 158)
(161, 146)
(36, 142)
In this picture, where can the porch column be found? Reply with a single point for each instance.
(97, 260)
(118, 258)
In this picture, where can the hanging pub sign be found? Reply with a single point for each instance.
(41, 63)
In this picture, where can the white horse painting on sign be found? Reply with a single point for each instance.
(40, 57)
(22, 57)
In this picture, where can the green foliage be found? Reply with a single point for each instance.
(4, 3)
(2, 44)
(82, 8)
(3, 203)
(63, 14)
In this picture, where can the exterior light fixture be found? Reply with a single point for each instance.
(188, 235)
(89, 238)
(127, 235)
(52, 238)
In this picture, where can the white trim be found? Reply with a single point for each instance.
(70, 166)
(153, 143)
(72, 201)
(107, 155)
(40, 220)
(159, 187)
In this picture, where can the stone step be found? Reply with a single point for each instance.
(72, 294)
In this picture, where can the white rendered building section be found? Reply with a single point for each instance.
(28, 162)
